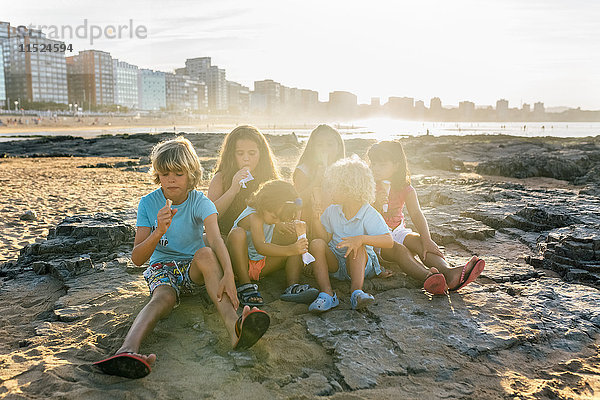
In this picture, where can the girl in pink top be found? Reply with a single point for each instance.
(393, 191)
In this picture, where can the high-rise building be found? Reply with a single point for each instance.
(214, 77)
(2, 81)
(502, 109)
(125, 77)
(151, 90)
(539, 111)
(310, 100)
(238, 97)
(435, 108)
(342, 103)
(33, 76)
(420, 110)
(270, 91)
(466, 110)
(183, 93)
(401, 107)
(91, 75)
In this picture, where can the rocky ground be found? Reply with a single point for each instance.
(528, 328)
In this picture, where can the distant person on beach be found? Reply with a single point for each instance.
(393, 191)
(255, 255)
(170, 223)
(346, 233)
(245, 162)
(324, 147)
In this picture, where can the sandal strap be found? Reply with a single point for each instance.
(246, 287)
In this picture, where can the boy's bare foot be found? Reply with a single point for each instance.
(150, 358)
(454, 276)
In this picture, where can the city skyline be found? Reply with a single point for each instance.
(422, 50)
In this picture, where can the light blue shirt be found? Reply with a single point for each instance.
(184, 236)
(267, 229)
(367, 221)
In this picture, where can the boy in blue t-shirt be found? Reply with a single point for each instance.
(170, 224)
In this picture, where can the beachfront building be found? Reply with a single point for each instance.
(185, 94)
(33, 76)
(435, 108)
(401, 107)
(151, 90)
(310, 100)
(342, 103)
(502, 110)
(125, 78)
(238, 97)
(91, 78)
(539, 111)
(466, 110)
(267, 94)
(214, 77)
(3, 103)
(420, 110)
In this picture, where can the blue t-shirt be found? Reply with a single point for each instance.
(367, 221)
(184, 236)
(267, 230)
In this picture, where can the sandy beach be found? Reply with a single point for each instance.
(524, 330)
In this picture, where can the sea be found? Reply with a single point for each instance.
(374, 128)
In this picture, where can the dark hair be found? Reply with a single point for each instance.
(264, 171)
(273, 195)
(392, 150)
(309, 155)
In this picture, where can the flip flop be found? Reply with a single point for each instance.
(360, 300)
(436, 283)
(300, 293)
(251, 328)
(474, 274)
(126, 365)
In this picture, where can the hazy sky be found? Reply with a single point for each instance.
(478, 50)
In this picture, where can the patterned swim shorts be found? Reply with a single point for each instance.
(175, 274)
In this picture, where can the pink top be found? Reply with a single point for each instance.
(394, 216)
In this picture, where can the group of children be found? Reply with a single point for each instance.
(337, 218)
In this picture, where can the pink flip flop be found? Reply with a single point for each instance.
(436, 284)
(474, 274)
(126, 365)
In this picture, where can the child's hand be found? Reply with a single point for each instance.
(352, 244)
(164, 217)
(301, 246)
(429, 247)
(286, 228)
(241, 174)
(227, 286)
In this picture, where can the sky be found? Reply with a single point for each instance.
(476, 50)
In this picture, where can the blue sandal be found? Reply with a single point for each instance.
(360, 299)
(324, 302)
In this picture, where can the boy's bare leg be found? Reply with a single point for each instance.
(160, 305)
(238, 250)
(406, 261)
(356, 269)
(293, 269)
(205, 269)
(325, 262)
(413, 243)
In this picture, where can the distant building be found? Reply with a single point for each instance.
(342, 103)
(401, 107)
(502, 110)
(539, 112)
(526, 108)
(309, 100)
(125, 84)
(466, 110)
(90, 75)
(33, 76)
(215, 79)
(375, 102)
(151, 90)
(268, 94)
(2, 81)
(184, 93)
(238, 97)
(435, 108)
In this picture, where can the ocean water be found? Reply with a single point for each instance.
(379, 129)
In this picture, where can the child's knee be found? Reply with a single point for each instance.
(317, 246)
(205, 259)
(164, 298)
(237, 235)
